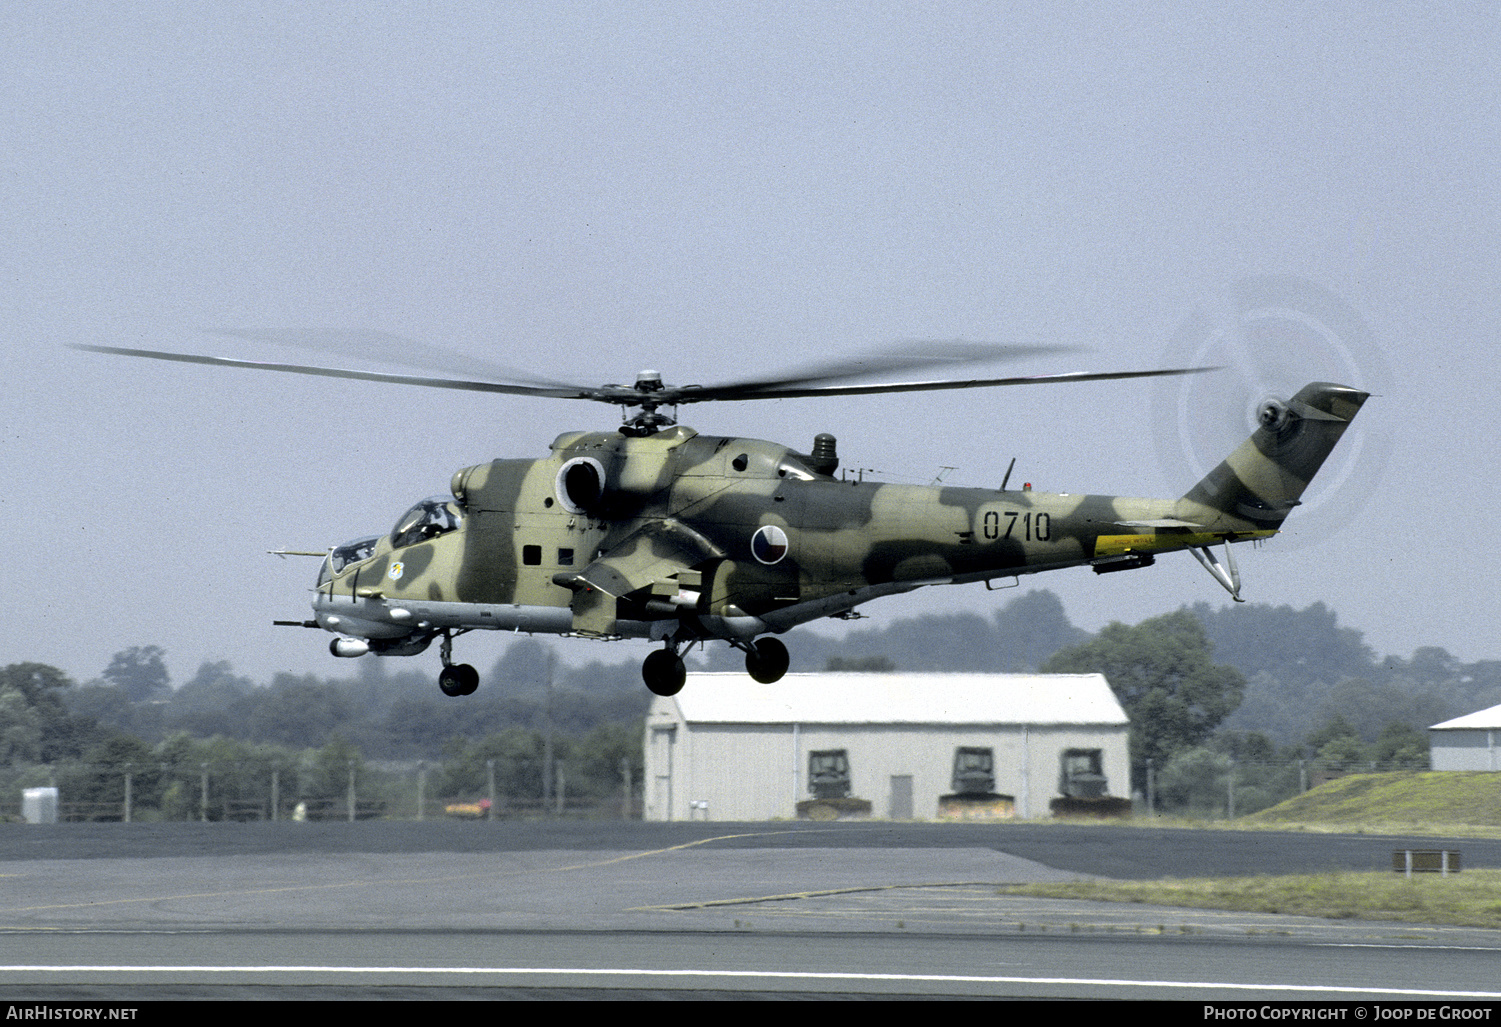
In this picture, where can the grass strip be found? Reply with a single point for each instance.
(1398, 797)
(1468, 899)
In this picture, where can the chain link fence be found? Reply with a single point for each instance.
(1204, 785)
(1213, 786)
(400, 791)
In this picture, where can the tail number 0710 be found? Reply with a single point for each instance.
(1030, 527)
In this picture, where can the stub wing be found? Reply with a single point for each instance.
(651, 564)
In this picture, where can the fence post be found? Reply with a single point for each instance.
(625, 788)
(490, 772)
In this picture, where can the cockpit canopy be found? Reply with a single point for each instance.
(433, 516)
(352, 552)
(342, 556)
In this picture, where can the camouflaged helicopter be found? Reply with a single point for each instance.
(654, 531)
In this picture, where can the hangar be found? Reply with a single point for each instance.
(1468, 742)
(729, 748)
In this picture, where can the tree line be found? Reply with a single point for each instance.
(221, 747)
(1245, 687)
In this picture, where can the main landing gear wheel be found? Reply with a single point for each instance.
(663, 672)
(458, 679)
(767, 660)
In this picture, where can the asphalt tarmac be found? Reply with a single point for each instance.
(611, 909)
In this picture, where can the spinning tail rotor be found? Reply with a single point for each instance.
(1272, 335)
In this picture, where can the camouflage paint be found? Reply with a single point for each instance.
(650, 536)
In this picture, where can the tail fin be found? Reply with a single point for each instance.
(1260, 482)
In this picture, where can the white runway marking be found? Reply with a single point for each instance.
(583, 973)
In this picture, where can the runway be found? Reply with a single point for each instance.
(120, 912)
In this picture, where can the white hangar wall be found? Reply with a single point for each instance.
(728, 748)
(1467, 743)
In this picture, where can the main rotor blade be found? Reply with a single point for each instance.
(975, 383)
(390, 348)
(906, 355)
(792, 387)
(604, 395)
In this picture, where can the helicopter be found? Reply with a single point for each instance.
(654, 531)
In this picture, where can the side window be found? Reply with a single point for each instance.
(531, 556)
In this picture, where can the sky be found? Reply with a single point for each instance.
(582, 190)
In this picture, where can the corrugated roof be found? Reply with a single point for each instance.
(900, 699)
(1488, 718)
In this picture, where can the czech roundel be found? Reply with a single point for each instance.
(769, 544)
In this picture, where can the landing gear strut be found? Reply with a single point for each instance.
(663, 671)
(455, 678)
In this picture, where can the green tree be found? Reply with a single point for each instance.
(1247, 746)
(594, 769)
(325, 771)
(1031, 628)
(524, 667)
(299, 712)
(1195, 781)
(36, 724)
(100, 779)
(212, 703)
(1346, 752)
(140, 672)
(517, 753)
(1369, 707)
(1401, 747)
(103, 703)
(1162, 672)
(20, 727)
(1299, 648)
(1337, 727)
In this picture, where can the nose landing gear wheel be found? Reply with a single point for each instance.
(663, 672)
(767, 660)
(458, 679)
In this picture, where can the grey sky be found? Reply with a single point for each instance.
(712, 190)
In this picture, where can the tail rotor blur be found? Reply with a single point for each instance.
(1272, 334)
